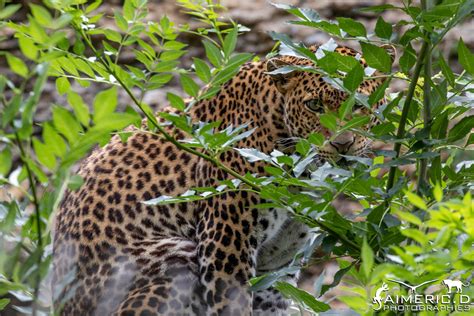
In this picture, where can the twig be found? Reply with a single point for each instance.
(37, 217)
(405, 111)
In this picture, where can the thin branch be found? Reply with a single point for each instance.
(36, 204)
(406, 109)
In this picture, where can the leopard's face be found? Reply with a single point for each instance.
(308, 96)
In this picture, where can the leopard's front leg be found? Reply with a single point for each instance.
(226, 255)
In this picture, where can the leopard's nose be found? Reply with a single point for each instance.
(343, 142)
(342, 148)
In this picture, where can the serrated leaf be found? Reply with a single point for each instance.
(301, 296)
(105, 103)
(346, 107)
(316, 139)
(9, 11)
(376, 57)
(53, 140)
(328, 121)
(466, 58)
(5, 161)
(354, 78)
(438, 192)
(367, 257)
(41, 14)
(44, 154)
(416, 200)
(230, 41)
(79, 107)
(213, 53)
(463, 128)
(352, 27)
(447, 72)
(379, 93)
(383, 29)
(66, 124)
(62, 85)
(176, 101)
(17, 65)
(189, 86)
(202, 70)
(408, 59)
(27, 47)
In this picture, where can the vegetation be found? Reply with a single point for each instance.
(412, 227)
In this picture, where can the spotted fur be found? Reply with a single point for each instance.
(115, 255)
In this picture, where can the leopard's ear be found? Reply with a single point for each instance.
(280, 77)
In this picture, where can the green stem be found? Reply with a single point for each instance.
(406, 110)
(423, 173)
(37, 214)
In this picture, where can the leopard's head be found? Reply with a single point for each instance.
(308, 95)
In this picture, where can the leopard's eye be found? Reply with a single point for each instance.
(314, 105)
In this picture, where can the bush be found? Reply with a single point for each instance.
(412, 228)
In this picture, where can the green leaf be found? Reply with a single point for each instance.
(301, 296)
(303, 147)
(104, 103)
(44, 154)
(438, 192)
(334, 61)
(356, 122)
(447, 72)
(408, 217)
(27, 47)
(346, 107)
(466, 58)
(112, 35)
(202, 70)
(329, 121)
(376, 57)
(416, 200)
(213, 53)
(367, 257)
(379, 93)
(120, 21)
(3, 303)
(54, 142)
(41, 14)
(316, 139)
(75, 182)
(17, 65)
(408, 59)
(66, 124)
(176, 101)
(115, 122)
(5, 161)
(416, 235)
(351, 27)
(79, 107)
(463, 128)
(230, 42)
(62, 85)
(9, 11)
(189, 86)
(353, 78)
(383, 29)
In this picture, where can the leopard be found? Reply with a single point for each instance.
(115, 255)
